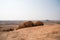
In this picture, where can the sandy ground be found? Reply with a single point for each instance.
(46, 32)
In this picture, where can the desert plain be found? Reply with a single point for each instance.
(49, 31)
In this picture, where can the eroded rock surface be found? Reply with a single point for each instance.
(47, 32)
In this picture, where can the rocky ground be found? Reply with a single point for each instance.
(46, 32)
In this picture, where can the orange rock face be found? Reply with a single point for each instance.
(30, 24)
(26, 24)
(38, 23)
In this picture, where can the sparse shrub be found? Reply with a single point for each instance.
(7, 30)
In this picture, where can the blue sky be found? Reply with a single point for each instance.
(29, 9)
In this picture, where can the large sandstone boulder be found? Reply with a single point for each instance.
(38, 23)
(26, 24)
(30, 24)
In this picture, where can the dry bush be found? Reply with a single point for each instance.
(7, 28)
(26, 24)
(38, 23)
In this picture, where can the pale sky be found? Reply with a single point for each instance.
(29, 9)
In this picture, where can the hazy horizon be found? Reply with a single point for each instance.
(29, 9)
